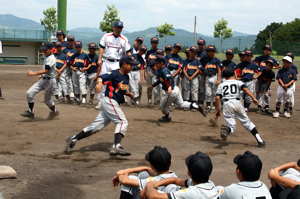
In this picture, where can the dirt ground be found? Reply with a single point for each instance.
(34, 148)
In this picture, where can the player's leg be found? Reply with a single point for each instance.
(133, 86)
(208, 92)
(137, 87)
(49, 87)
(76, 86)
(230, 123)
(259, 98)
(194, 89)
(83, 88)
(156, 91)
(64, 86)
(287, 102)
(149, 82)
(213, 91)
(91, 84)
(186, 88)
(166, 101)
(248, 99)
(279, 99)
(267, 98)
(292, 98)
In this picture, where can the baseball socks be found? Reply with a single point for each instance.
(52, 108)
(255, 133)
(79, 136)
(118, 138)
(31, 107)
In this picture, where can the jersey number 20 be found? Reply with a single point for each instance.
(233, 89)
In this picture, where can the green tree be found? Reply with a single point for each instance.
(164, 30)
(50, 20)
(245, 49)
(183, 48)
(110, 17)
(221, 31)
(236, 50)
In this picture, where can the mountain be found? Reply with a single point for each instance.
(13, 22)
(239, 34)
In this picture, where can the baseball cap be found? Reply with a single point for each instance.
(154, 39)
(160, 158)
(270, 61)
(142, 47)
(78, 44)
(46, 45)
(118, 24)
(298, 163)
(58, 44)
(242, 53)
(168, 47)
(290, 55)
(139, 39)
(158, 58)
(93, 45)
(177, 45)
(288, 58)
(60, 32)
(249, 52)
(159, 52)
(71, 38)
(267, 47)
(128, 59)
(194, 48)
(200, 166)
(201, 41)
(210, 48)
(230, 51)
(228, 72)
(250, 165)
(187, 50)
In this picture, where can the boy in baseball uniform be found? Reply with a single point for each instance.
(294, 67)
(286, 78)
(261, 60)
(199, 186)
(201, 49)
(230, 91)
(117, 82)
(46, 82)
(168, 49)
(174, 62)
(187, 55)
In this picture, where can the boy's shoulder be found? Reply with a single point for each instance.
(207, 190)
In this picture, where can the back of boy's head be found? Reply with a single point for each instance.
(250, 166)
(199, 166)
(228, 72)
(159, 158)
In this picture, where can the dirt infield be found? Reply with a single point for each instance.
(34, 148)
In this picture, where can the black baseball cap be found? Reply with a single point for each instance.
(159, 52)
(78, 44)
(250, 165)
(58, 44)
(201, 41)
(142, 47)
(230, 51)
(46, 45)
(249, 52)
(200, 166)
(159, 158)
(71, 38)
(187, 50)
(290, 55)
(210, 48)
(158, 58)
(228, 72)
(128, 59)
(139, 39)
(270, 61)
(242, 53)
(177, 45)
(118, 24)
(154, 39)
(267, 47)
(194, 48)
(168, 47)
(92, 45)
(298, 163)
(60, 32)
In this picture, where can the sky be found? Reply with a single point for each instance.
(243, 16)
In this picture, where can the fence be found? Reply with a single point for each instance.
(23, 34)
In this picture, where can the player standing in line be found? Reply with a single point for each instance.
(264, 82)
(80, 62)
(46, 82)
(294, 67)
(117, 83)
(61, 38)
(286, 78)
(168, 49)
(201, 49)
(201, 54)
(93, 72)
(261, 60)
(187, 55)
(174, 63)
(151, 54)
(230, 91)
(211, 76)
(247, 70)
(112, 47)
(136, 76)
(172, 91)
(228, 63)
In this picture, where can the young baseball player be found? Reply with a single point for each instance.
(261, 60)
(93, 72)
(286, 78)
(159, 160)
(190, 80)
(201, 49)
(242, 59)
(168, 49)
(61, 38)
(80, 62)
(211, 76)
(172, 91)
(228, 63)
(294, 67)
(1, 97)
(264, 81)
(187, 55)
(199, 186)
(117, 82)
(248, 172)
(201, 54)
(136, 76)
(174, 62)
(151, 54)
(230, 91)
(46, 82)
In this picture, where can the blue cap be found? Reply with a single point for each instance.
(249, 52)
(71, 38)
(267, 47)
(230, 51)
(270, 61)
(118, 24)
(187, 50)
(290, 55)
(60, 32)
(139, 39)
(46, 45)
(194, 48)
(128, 59)
(58, 44)
(168, 47)
(154, 39)
(159, 58)
(242, 53)
(78, 44)
(201, 41)
(92, 45)
(159, 52)
(177, 45)
(142, 47)
(210, 48)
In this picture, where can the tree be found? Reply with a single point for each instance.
(221, 31)
(164, 30)
(236, 50)
(50, 20)
(110, 17)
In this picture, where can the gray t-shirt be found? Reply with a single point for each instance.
(51, 62)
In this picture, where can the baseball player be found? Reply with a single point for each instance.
(172, 91)
(242, 59)
(199, 186)
(61, 38)
(93, 72)
(168, 49)
(151, 54)
(117, 82)
(174, 62)
(211, 75)
(260, 61)
(79, 63)
(190, 70)
(230, 91)
(201, 54)
(264, 81)
(112, 47)
(187, 55)
(248, 172)
(286, 78)
(201, 49)
(155, 75)
(1, 97)
(136, 75)
(228, 63)
(294, 67)
(46, 82)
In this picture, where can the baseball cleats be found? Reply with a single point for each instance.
(262, 144)
(70, 144)
(165, 119)
(69, 101)
(213, 108)
(97, 107)
(258, 111)
(276, 114)
(287, 114)
(75, 103)
(2, 98)
(268, 111)
(119, 151)
(225, 130)
(72, 95)
(90, 102)
(202, 110)
(28, 114)
(82, 104)
(52, 115)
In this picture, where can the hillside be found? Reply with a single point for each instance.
(13, 22)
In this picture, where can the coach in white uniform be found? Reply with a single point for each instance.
(112, 47)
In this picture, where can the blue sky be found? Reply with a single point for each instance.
(243, 16)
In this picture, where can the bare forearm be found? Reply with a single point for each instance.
(41, 72)
(101, 50)
(217, 102)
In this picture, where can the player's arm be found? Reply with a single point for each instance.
(155, 84)
(125, 180)
(217, 104)
(277, 66)
(257, 76)
(195, 73)
(64, 66)
(185, 73)
(136, 170)
(131, 95)
(151, 193)
(173, 180)
(30, 73)
(101, 51)
(259, 85)
(141, 75)
(99, 85)
(290, 83)
(203, 77)
(287, 166)
(236, 76)
(98, 72)
(219, 76)
(145, 71)
(246, 90)
(283, 181)
(268, 85)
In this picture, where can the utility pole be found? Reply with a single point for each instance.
(195, 37)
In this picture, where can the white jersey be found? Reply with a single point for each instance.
(230, 89)
(114, 47)
(51, 62)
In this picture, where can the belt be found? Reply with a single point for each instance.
(135, 70)
(112, 60)
(171, 69)
(246, 80)
(46, 78)
(225, 100)
(211, 75)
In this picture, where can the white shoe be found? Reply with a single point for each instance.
(287, 114)
(276, 114)
(208, 108)
(72, 95)
(246, 110)
(97, 107)
(213, 108)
